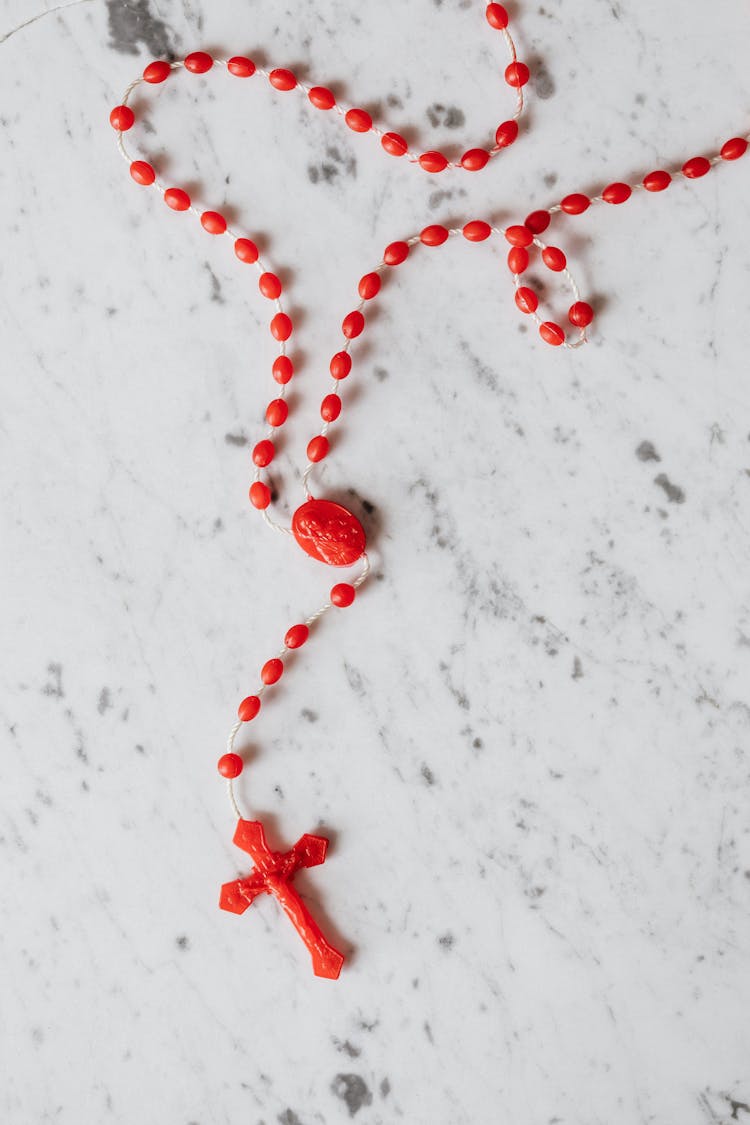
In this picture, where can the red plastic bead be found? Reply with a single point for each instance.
(282, 369)
(296, 636)
(341, 365)
(246, 250)
(554, 259)
(264, 453)
(157, 71)
(552, 333)
(394, 144)
(526, 299)
(122, 118)
(434, 235)
(272, 671)
(616, 193)
(506, 133)
(282, 79)
(342, 595)
(518, 259)
(260, 495)
(249, 708)
(277, 412)
(142, 173)
(317, 448)
(396, 253)
(369, 286)
(517, 74)
(696, 167)
(358, 120)
(537, 221)
(433, 161)
(328, 532)
(281, 326)
(475, 159)
(519, 236)
(733, 149)
(497, 16)
(241, 67)
(270, 286)
(230, 765)
(213, 222)
(477, 231)
(657, 181)
(321, 97)
(177, 199)
(575, 204)
(353, 324)
(330, 408)
(198, 62)
(581, 314)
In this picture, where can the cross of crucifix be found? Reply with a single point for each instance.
(273, 874)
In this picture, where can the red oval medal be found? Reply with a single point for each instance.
(328, 532)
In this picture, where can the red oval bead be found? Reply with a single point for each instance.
(537, 221)
(282, 79)
(272, 671)
(616, 193)
(353, 324)
(394, 144)
(330, 408)
(177, 199)
(497, 16)
(526, 299)
(575, 204)
(477, 230)
(581, 314)
(230, 765)
(270, 286)
(260, 495)
(396, 253)
(433, 161)
(157, 71)
(552, 333)
(281, 326)
(342, 595)
(241, 67)
(733, 149)
(341, 365)
(475, 159)
(358, 120)
(554, 259)
(142, 173)
(434, 235)
(198, 62)
(277, 412)
(518, 235)
(249, 708)
(696, 167)
(246, 250)
(317, 448)
(321, 97)
(264, 453)
(213, 222)
(369, 286)
(122, 118)
(517, 74)
(296, 636)
(518, 259)
(657, 181)
(282, 369)
(328, 532)
(506, 133)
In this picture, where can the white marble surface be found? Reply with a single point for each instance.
(529, 738)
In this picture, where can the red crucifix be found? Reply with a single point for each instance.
(273, 874)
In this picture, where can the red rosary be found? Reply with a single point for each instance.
(325, 530)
